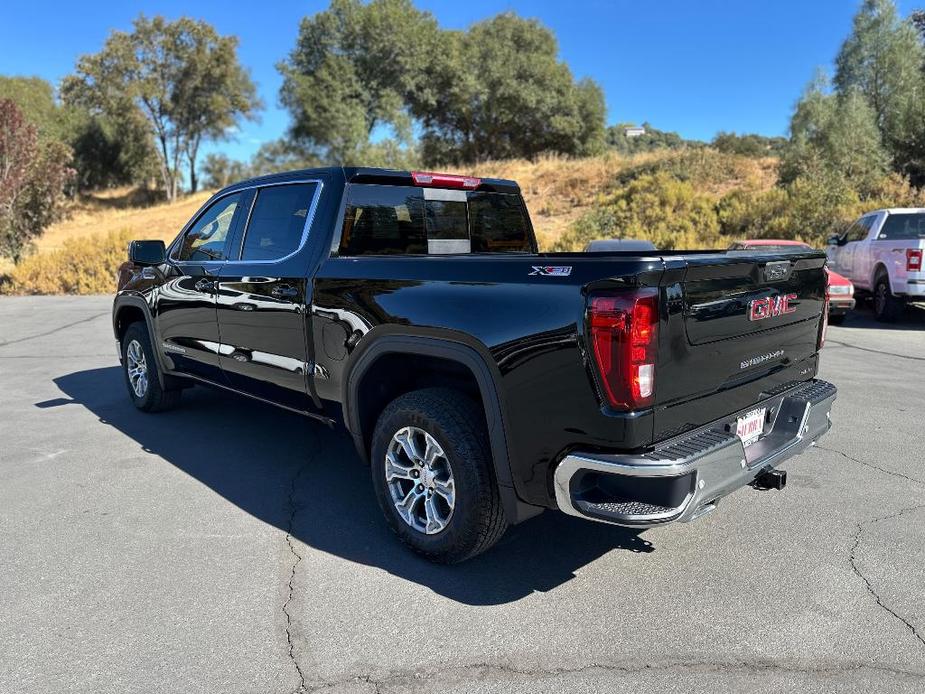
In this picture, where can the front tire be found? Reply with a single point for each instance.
(433, 475)
(837, 319)
(887, 307)
(141, 372)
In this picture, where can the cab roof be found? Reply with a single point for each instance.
(395, 177)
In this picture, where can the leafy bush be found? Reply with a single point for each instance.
(748, 145)
(86, 265)
(754, 214)
(809, 208)
(33, 176)
(657, 207)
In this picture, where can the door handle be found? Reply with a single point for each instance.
(284, 291)
(205, 286)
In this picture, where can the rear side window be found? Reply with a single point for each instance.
(277, 221)
(382, 220)
(498, 223)
(903, 226)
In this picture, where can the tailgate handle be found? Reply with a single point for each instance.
(777, 271)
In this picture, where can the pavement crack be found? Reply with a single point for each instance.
(875, 351)
(852, 560)
(484, 671)
(53, 330)
(892, 473)
(294, 509)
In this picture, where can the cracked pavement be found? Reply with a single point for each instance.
(231, 547)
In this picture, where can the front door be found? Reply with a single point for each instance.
(263, 299)
(187, 324)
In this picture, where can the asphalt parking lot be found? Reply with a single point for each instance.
(228, 546)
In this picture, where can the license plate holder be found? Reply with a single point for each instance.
(750, 426)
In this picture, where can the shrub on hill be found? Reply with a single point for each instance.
(86, 265)
(658, 207)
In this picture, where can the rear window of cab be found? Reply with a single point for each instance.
(406, 220)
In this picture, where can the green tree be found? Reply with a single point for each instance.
(220, 170)
(35, 98)
(499, 91)
(213, 92)
(837, 133)
(181, 76)
(104, 153)
(281, 155)
(363, 75)
(351, 71)
(32, 180)
(883, 60)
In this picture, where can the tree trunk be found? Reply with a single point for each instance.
(191, 153)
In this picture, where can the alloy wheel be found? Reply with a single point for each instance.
(136, 367)
(420, 480)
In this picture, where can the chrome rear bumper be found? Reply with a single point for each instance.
(683, 478)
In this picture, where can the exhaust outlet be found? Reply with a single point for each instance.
(770, 478)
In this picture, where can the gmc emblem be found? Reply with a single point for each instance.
(770, 306)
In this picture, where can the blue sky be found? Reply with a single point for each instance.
(694, 67)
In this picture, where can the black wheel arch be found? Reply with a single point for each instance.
(450, 346)
(128, 309)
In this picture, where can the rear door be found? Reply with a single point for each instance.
(864, 251)
(186, 319)
(264, 294)
(738, 326)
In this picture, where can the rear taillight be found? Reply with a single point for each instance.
(624, 339)
(442, 180)
(913, 259)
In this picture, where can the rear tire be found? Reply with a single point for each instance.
(141, 372)
(887, 307)
(837, 320)
(450, 509)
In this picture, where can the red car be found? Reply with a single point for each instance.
(841, 291)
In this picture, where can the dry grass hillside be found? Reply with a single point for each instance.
(81, 253)
(118, 210)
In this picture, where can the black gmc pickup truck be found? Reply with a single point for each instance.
(483, 381)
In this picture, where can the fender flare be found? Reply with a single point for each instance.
(124, 301)
(452, 346)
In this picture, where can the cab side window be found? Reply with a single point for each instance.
(277, 221)
(859, 230)
(207, 239)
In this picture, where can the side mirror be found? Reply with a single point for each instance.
(147, 252)
(836, 240)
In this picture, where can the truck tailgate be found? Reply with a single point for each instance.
(740, 325)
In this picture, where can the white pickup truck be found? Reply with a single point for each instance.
(881, 254)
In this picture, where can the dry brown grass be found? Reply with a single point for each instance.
(118, 210)
(121, 210)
